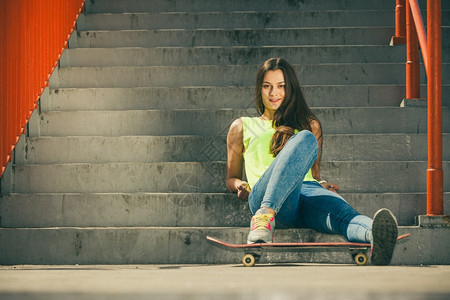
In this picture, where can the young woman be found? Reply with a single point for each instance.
(281, 151)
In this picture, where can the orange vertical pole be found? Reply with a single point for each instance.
(24, 44)
(42, 42)
(57, 13)
(435, 197)
(26, 71)
(45, 40)
(2, 88)
(400, 23)
(412, 57)
(15, 67)
(34, 56)
(9, 79)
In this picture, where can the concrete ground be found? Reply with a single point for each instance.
(282, 281)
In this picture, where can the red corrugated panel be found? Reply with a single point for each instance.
(33, 35)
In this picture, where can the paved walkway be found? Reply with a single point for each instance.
(284, 281)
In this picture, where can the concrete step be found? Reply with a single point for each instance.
(91, 149)
(357, 120)
(238, 37)
(240, 20)
(117, 6)
(181, 209)
(73, 99)
(205, 177)
(236, 19)
(118, 210)
(113, 57)
(231, 75)
(233, 38)
(176, 245)
(99, 149)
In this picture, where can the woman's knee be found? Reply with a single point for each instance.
(306, 138)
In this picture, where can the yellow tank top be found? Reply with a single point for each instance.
(257, 157)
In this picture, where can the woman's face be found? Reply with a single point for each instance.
(273, 89)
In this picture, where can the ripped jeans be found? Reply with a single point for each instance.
(306, 204)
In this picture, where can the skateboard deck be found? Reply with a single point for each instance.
(253, 252)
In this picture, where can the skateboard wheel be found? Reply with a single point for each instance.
(361, 259)
(248, 260)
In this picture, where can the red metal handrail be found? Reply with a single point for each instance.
(33, 35)
(432, 57)
(420, 27)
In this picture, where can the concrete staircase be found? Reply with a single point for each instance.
(124, 162)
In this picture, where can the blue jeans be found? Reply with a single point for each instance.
(306, 204)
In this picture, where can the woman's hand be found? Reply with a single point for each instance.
(243, 191)
(330, 186)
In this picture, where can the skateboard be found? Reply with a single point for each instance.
(253, 252)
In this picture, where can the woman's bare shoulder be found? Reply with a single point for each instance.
(316, 129)
(315, 125)
(236, 126)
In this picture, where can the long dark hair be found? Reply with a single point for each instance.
(293, 113)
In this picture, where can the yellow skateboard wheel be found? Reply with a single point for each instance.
(248, 260)
(361, 259)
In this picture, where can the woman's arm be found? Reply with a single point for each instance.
(315, 169)
(235, 160)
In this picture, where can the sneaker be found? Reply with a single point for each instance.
(261, 227)
(384, 237)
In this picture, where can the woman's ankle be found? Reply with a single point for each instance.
(268, 210)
